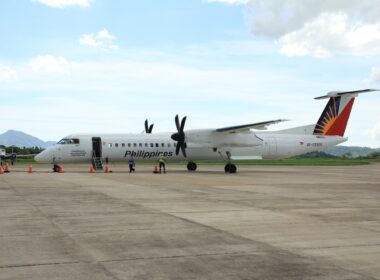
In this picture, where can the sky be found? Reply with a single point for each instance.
(69, 66)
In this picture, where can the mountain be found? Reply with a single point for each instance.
(353, 150)
(21, 139)
(317, 155)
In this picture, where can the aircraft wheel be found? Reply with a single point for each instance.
(191, 166)
(230, 168)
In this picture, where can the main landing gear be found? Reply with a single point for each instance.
(230, 168)
(191, 166)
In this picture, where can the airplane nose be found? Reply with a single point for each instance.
(41, 157)
(38, 157)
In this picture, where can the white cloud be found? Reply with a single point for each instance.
(276, 18)
(64, 3)
(330, 33)
(317, 28)
(51, 64)
(374, 132)
(374, 77)
(7, 73)
(103, 39)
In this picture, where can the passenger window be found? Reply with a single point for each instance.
(123, 144)
(169, 145)
(163, 145)
(134, 145)
(157, 145)
(116, 145)
(151, 145)
(110, 145)
(129, 144)
(140, 144)
(146, 144)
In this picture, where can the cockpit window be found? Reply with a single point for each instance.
(68, 141)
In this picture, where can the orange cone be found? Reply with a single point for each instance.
(6, 170)
(107, 170)
(155, 171)
(30, 170)
(1, 170)
(60, 170)
(91, 169)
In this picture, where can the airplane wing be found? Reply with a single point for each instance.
(247, 127)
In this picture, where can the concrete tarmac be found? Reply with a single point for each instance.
(264, 222)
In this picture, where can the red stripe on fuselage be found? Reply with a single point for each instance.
(340, 124)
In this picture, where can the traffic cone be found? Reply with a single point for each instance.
(107, 170)
(30, 170)
(155, 171)
(60, 170)
(1, 170)
(91, 169)
(6, 170)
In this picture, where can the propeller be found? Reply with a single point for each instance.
(179, 136)
(148, 129)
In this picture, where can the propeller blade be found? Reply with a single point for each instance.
(183, 149)
(183, 123)
(150, 128)
(179, 136)
(146, 126)
(177, 148)
(177, 122)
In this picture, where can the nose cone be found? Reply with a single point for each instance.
(42, 157)
(179, 137)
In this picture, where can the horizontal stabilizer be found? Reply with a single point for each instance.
(246, 127)
(340, 93)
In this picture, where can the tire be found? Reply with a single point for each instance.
(233, 168)
(227, 168)
(191, 166)
(230, 168)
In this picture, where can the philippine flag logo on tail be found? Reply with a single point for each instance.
(334, 118)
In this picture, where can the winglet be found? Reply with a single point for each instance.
(340, 93)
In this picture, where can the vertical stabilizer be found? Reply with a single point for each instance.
(334, 118)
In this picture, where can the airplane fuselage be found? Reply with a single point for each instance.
(149, 147)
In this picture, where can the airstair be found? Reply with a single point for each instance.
(97, 162)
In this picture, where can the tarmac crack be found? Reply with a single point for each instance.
(186, 256)
(39, 264)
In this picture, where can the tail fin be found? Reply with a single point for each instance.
(334, 118)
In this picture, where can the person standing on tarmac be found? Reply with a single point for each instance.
(161, 163)
(132, 164)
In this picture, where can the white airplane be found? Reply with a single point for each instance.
(226, 143)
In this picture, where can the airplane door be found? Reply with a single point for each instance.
(97, 147)
(271, 146)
